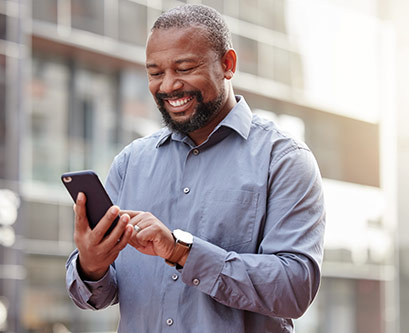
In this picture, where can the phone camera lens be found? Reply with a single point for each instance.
(67, 179)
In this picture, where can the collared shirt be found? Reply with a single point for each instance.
(251, 196)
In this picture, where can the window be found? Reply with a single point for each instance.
(272, 14)
(49, 94)
(274, 63)
(267, 13)
(281, 64)
(46, 306)
(216, 4)
(139, 117)
(93, 120)
(247, 55)
(345, 305)
(132, 22)
(2, 115)
(45, 10)
(43, 221)
(3, 26)
(88, 15)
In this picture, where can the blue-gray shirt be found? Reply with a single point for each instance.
(252, 198)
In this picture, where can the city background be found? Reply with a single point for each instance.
(73, 92)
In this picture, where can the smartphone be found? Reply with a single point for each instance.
(98, 201)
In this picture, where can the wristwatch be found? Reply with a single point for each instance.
(183, 243)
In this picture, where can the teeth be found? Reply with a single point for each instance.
(180, 102)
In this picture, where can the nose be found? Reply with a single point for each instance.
(170, 83)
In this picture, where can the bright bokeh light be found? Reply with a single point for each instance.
(341, 56)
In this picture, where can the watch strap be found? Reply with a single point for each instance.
(183, 242)
(178, 252)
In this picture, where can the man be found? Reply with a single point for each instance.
(222, 217)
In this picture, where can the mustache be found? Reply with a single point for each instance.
(160, 97)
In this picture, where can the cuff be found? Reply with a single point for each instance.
(81, 291)
(203, 266)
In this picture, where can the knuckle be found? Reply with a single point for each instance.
(97, 233)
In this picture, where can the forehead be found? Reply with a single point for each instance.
(177, 43)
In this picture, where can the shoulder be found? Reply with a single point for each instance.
(144, 143)
(280, 142)
(141, 146)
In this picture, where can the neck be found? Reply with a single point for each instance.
(199, 136)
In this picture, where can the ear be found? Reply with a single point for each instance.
(229, 62)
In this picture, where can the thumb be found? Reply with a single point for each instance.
(81, 220)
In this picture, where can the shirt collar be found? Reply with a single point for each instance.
(238, 119)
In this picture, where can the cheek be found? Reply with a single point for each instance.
(210, 91)
(153, 87)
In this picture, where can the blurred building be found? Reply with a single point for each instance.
(73, 92)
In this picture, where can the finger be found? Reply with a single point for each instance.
(148, 222)
(142, 219)
(147, 233)
(125, 237)
(134, 241)
(105, 223)
(137, 228)
(131, 213)
(81, 220)
(118, 232)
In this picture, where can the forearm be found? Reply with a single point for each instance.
(281, 285)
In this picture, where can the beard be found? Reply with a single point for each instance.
(201, 116)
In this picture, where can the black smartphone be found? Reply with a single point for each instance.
(98, 201)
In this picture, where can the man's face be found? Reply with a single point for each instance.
(185, 77)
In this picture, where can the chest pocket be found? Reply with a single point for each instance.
(228, 218)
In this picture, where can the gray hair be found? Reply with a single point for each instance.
(218, 34)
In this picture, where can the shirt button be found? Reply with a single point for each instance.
(196, 151)
(196, 282)
(175, 277)
(186, 190)
(169, 321)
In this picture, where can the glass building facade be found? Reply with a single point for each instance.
(73, 92)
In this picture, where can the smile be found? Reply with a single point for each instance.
(180, 101)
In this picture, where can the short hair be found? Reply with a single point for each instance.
(218, 33)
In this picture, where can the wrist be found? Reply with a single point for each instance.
(182, 260)
(182, 244)
(90, 275)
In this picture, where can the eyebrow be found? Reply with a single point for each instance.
(178, 62)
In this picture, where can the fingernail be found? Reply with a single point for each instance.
(114, 210)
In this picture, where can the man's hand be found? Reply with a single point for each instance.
(153, 238)
(96, 252)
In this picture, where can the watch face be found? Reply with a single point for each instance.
(183, 236)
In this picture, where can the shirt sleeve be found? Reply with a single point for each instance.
(282, 279)
(91, 295)
(116, 175)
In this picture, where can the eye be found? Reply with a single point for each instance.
(155, 74)
(185, 70)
